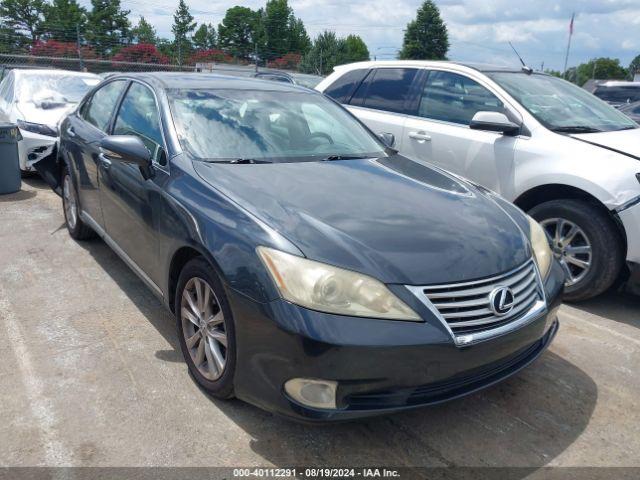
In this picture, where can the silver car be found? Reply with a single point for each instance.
(552, 148)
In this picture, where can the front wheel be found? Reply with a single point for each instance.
(585, 241)
(206, 328)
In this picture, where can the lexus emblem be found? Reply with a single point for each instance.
(501, 301)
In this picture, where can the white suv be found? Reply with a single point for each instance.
(555, 150)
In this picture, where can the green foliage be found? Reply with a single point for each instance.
(205, 37)
(276, 27)
(12, 41)
(183, 25)
(239, 31)
(600, 69)
(62, 18)
(354, 50)
(634, 66)
(24, 17)
(426, 37)
(299, 41)
(328, 51)
(144, 32)
(553, 73)
(107, 26)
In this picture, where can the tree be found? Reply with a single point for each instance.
(144, 32)
(634, 66)
(183, 25)
(205, 37)
(354, 50)
(63, 20)
(25, 17)
(299, 41)
(324, 54)
(107, 26)
(426, 37)
(277, 27)
(239, 31)
(142, 53)
(601, 69)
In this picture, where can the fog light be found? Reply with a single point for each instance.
(312, 393)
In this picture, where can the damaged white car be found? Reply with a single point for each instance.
(36, 100)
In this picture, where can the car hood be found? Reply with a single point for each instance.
(46, 116)
(391, 218)
(626, 142)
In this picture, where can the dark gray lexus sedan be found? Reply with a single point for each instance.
(312, 270)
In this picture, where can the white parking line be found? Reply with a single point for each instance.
(41, 408)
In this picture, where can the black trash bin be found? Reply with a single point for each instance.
(10, 180)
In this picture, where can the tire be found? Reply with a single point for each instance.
(595, 229)
(208, 373)
(71, 208)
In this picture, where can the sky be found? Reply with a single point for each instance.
(478, 29)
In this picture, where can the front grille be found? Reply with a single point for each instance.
(466, 306)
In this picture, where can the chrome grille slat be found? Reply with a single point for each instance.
(465, 306)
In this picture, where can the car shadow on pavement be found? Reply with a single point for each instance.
(525, 421)
(619, 306)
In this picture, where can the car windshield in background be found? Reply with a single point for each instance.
(249, 125)
(560, 105)
(618, 94)
(55, 89)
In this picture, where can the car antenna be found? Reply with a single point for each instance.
(525, 69)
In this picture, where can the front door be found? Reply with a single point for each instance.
(129, 202)
(440, 132)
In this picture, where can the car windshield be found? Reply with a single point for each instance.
(247, 125)
(560, 105)
(620, 94)
(55, 88)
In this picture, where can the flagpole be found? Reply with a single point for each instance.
(566, 57)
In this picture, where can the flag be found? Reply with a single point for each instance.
(571, 24)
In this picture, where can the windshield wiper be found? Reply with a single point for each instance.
(239, 160)
(576, 129)
(345, 157)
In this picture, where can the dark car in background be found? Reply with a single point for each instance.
(632, 110)
(312, 270)
(618, 93)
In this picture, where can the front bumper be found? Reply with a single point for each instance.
(381, 366)
(630, 218)
(34, 147)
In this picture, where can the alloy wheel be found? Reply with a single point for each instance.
(70, 203)
(203, 327)
(571, 246)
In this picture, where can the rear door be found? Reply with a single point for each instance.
(129, 202)
(80, 143)
(439, 133)
(385, 98)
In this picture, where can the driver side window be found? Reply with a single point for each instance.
(139, 116)
(97, 111)
(454, 98)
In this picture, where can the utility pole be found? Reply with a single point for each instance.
(255, 53)
(81, 63)
(566, 57)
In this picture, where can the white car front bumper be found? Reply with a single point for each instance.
(630, 218)
(34, 147)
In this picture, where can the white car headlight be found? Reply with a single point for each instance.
(330, 289)
(540, 244)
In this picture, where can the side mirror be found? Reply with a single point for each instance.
(494, 122)
(128, 149)
(388, 139)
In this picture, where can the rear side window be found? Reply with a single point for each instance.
(99, 108)
(389, 89)
(454, 98)
(342, 89)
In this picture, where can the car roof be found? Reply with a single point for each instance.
(619, 83)
(481, 67)
(194, 80)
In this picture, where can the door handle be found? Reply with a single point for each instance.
(71, 132)
(420, 136)
(104, 161)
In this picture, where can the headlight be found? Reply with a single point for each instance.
(540, 244)
(37, 128)
(330, 289)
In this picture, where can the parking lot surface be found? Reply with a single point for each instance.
(92, 375)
